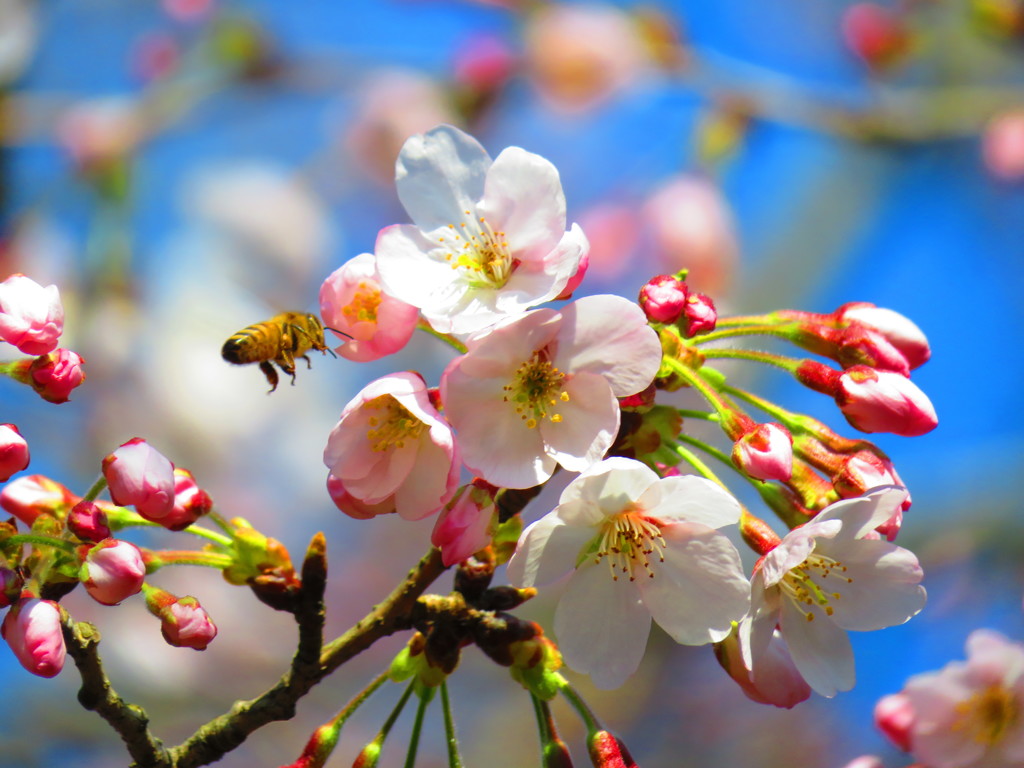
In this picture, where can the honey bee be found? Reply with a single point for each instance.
(282, 339)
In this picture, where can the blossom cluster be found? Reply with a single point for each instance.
(534, 389)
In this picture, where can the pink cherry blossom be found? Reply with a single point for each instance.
(137, 474)
(894, 716)
(56, 374)
(112, 571)
(29, 496)
(352, 301)
(898, 329)
(465, 524)
(1002, 145)
(883, 401)
(968, 713)
(775, 680)
(14, 454)
(827, 576)
(765, 452)
(32, 630)
(31, 317)
(488, 238)
(541, 390)
(651, 550)
(186, 624)
(663, 298)
(352, 506)
(392, 446)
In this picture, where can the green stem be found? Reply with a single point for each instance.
(417, 730)
(787, 418)
(788, 364)
(744, 330)
(698, 382)
(156, 560)
(390, 722)
(219, 520)
(703, 415)
(739, 320)
(125, 518)
(717, 453)
(694, 461)
(44, 541)
(581, 708)
(542, 721)
(361, 697)
(451, 341)
(454, 761)
(95, 489)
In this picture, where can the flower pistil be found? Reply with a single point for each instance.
(628, 539)
(537, 386)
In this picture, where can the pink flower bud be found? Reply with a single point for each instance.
(56, 374)
(31, 317)
(860, 345)
(700, 314)
(1002, 145)
(877, 35)
(882, 401)
(112, 571)
(13, 451)
(138, 474)
(32, 630)
(899, 330)
(352, 301)
(576, 279)
(765, 453)
(864, 471)
(10, 586)
(607, 751)
(464, 525)
(775, 679)
(352, 506)
(32, 495)
(88, 521)
(484, 63)
(663, 298)
(190, 502)
(895, 717)
(184, 622)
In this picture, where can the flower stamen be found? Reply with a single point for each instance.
(392, 427)
(536, 387)
(628, 540)
(483, 258)
(804, 584)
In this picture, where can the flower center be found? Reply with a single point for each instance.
(536, 387)
(363, 307)
(988, 714)
(392, 426)
(478, 253)
(627, 541)
(811, 583)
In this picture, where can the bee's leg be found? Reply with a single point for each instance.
(270, 373)
(287, 363)
(309, 363)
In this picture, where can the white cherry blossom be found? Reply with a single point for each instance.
(827, 576)
(488, 239)
(639, 547)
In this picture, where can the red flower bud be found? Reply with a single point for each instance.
(54, 375)
(877, 35)
(663, 298)
(895, 717)
(190, 502)
(112, 571)
(88, 521)
(13, 451)
(607, 751)
(765, 453)
(701, 315)
(138, 474)
(32, 630)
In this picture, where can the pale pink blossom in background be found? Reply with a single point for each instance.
(883, 401)
(465, 524)
(393, 105)
(481, 64)
(968, 714)
(1002, 145)
(488, 238)
(899, 330)
(137, 474)
(580, 55)
(828, 576)
(14, 454)
(187, 10)
(691, 227)
(352, 301)
(31, 317)
(32, 630)
(651, 551)
(877, 34)
(101, 130)
(112, 571)
(392, 447)
(614, 234)
(540, 391)
(765, 452)
(775, 680)
(18, 37)
(894, 716)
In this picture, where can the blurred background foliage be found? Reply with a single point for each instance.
(184, 168)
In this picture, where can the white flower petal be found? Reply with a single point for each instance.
(602, 626)
(590, 421)
(609, 335)
(606, 488)
(820, 650)
(547, 550)
(428, 485)
(523, 198)
(439, 175)
(755, 632)
(863, 514)
(691, 499)
(699, 591)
